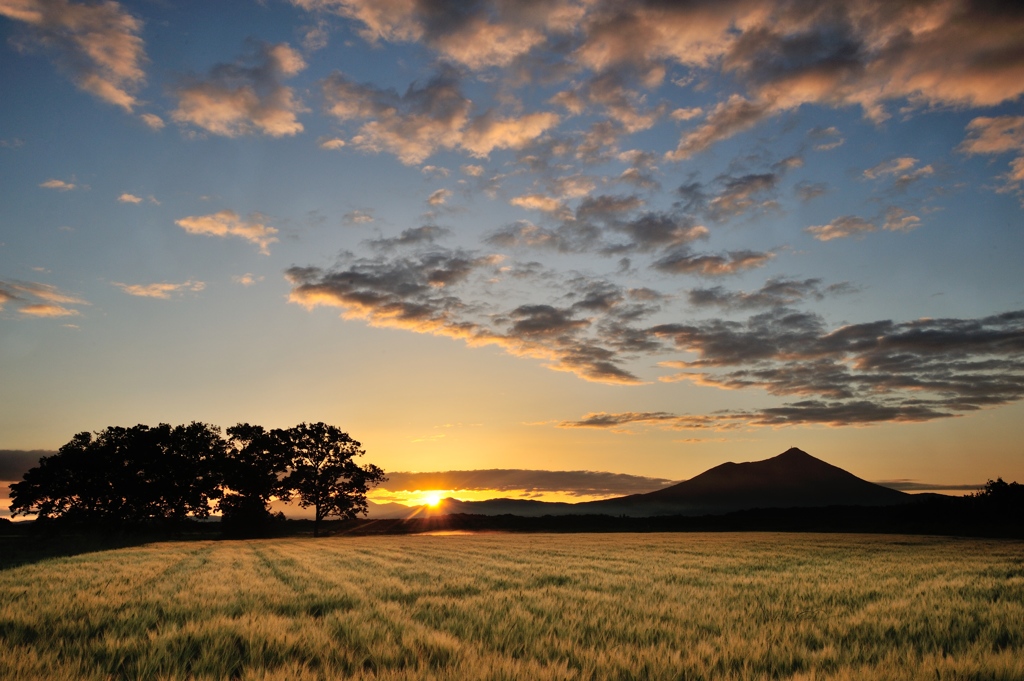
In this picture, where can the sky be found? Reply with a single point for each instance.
(631, 238)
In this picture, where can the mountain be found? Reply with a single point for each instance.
(790, 480)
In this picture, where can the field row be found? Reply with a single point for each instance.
(671, 606)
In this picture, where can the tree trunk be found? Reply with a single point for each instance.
(316, 524)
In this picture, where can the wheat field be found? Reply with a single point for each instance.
(503, 606)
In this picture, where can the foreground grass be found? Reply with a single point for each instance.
(673, 606)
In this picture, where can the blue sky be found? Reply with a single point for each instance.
(635, 237)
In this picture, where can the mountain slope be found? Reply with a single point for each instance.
(791, 479)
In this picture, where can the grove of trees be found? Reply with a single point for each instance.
(162, 475)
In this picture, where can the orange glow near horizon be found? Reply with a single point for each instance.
(434, 497)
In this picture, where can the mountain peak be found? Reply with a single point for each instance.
(794, 452)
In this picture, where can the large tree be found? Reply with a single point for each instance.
(254, 470)
(126, 475)
(324, 474)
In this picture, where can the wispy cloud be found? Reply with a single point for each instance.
(227, 223)
(32, 299)
(162, 290)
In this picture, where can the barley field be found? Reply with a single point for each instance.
(503, 606)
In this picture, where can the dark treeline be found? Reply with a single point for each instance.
(997, 511)
(160, 476)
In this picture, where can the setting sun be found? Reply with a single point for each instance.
(432, 499)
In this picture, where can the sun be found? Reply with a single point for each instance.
(432, 499)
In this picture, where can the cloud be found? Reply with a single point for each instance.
(332, 143)
(684, 261)
(439, 197)
(129, 198)
(905, 485)
(425, 119)
(826, 139)
(14, 463)
(357, 217)
(540, 202)
(841, 228)
(776, 292)
(153, 121)
(59, 185)
(472, 170)
(807, 191)
(435, 171)
(410, 126)
(686, 114)
(227, 223)
(727, 119)
(414, 236)
(162, 290)
(426, 292)
(576, 483)
(98, 45)
(490, 131)
(858, 373)
(246, 96)
(899, 220)
(999, 135)
(247, 279)
(39, 300)
(474, 35)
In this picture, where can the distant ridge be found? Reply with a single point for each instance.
(793, 479)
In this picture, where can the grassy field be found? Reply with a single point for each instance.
(614, 606)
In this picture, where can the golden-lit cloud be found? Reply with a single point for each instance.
(228, 223)
(32, 299)
(162, 290)
(439, 197)
(332, 143)
(153, 121)
(537, 202)
(244, 97)
(999, 135)
(97, 44)
(129, 198)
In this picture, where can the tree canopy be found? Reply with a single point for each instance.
(162, 475)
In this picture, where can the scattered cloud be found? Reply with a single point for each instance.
(841, 228)
(858, 373)
(129, 198)
(162, 290)
(59, 185)
(32, 299)
(776, 292)
(999, 135)
(97, 45)
(247, 279)
(357, 217)
(153, 121)
(246, 96)
(227, 223)
(332, 143)
(426, 292)
(439, 197)
(685, 261)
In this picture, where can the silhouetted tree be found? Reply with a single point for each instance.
(1004, 500)
(324, 474)
(126, 475)
(254, 470)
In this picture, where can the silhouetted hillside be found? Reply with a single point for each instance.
(790, 480)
